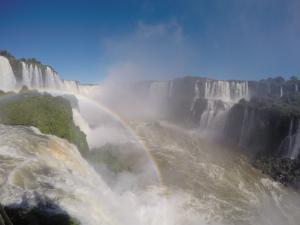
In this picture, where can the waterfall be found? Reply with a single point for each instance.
(281, 91)
(52, 80)
(32, 76)
(296, 146)
(294, 140)
(247, 124)
(296, 87)
(290, 146)
(226, 90)
(35, 77)
(220, 97)
(196, 97)
(7, 77)
(71, 86)
(26, 75)
(208, 115)
(290, 135)
(76, 187)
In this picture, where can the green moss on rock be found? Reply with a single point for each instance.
(51, 115)
(109, 155)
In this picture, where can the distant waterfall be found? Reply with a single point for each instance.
(26, 75)
(220, 97)
(34, 77)
(296, 145)
(230, 91)
(243, 128)
(196, 97)
(290, 146)
(294, 140)
(52, 81)
(247, 126)
(281, 91)
(31, 76)
(71, 86)
(7, 77)
(39, 77)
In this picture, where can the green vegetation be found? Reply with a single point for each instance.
(288, 105)
(51, 115)
(109, 155)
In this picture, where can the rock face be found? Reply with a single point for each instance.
(262, 129)
(261, 117)
(15, 73)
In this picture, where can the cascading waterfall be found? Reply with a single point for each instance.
(296, 87)
(243, 128)
(281, 91)
(26, 75)
(52, 81)
(220, 96)
(229, 91)
(290, 146)
(290, 136)
(296, 146)
(37, 77)
(34, 77)
(247, 126)
(196, 97)
(31, 168)
(293, 139)
(71, 86)
(7, 77)
(35, 167)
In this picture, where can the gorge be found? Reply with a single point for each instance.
(184, 151)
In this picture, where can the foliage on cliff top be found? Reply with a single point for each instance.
(51, 115)
(289, 105)
(109, 155)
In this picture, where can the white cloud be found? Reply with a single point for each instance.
(151, 51)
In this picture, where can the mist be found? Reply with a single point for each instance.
(222, 193)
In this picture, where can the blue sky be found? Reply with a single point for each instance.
(88, 40)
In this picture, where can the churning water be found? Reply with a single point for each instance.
(199, 182)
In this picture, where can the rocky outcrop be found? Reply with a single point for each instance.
(261, 127)
(268, 130)
(44, 213)
(51, 115)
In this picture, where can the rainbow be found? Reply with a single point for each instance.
(125, 124)
(131, 131)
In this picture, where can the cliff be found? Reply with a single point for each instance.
(16, 73)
